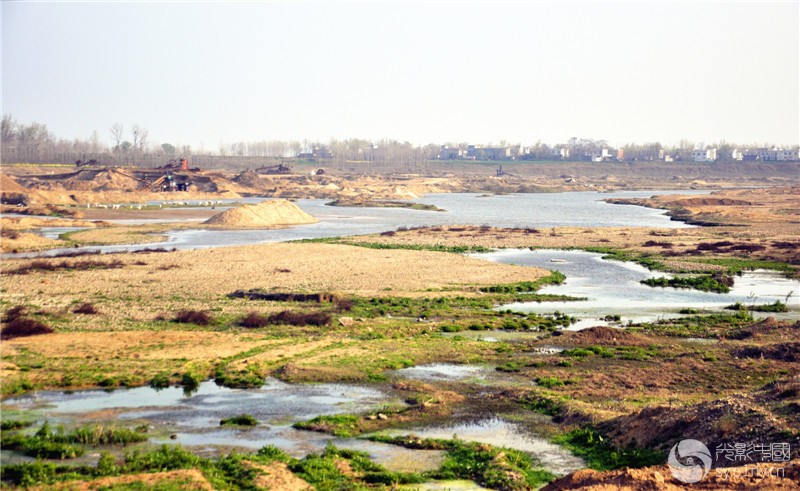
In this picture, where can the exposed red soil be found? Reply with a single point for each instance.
(762, 476)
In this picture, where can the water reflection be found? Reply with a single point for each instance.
(501, 433)
(613, 288)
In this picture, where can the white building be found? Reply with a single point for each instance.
(705, 155)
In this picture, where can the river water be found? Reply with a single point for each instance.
(614, 288)
(579, 209)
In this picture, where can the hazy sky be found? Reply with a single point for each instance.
(204, 73)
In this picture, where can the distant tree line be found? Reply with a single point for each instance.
(34, 143)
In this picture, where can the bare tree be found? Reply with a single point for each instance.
(143, 140)
(9, 129)
(117, 131)
(136, 131)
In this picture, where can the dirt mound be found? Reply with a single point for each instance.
(12, 192)
(272, 213)
(782, 351)
(769, 326)
(708, 201)
(757, 476)
(249, 178)
(608, 336)
(9, 185)
(276, 475)
(736, 419)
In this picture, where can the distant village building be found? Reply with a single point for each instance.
(705, 155)
(776, 155)
(319, 152)
(449, 153)
(497, 153)
(603, 156)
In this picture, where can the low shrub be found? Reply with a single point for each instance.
(9, 234)
(85, 308)
(23, 327)
(301, 318)
(654, 243)
(199, 317)
(254, 320)
(82, 265)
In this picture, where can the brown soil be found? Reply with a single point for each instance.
(23, 241)
(780, 351)
(763, 476)
(144, 345)
(737, 419)
(289, 267)
(191, 479)
(266, 214)
(277, 476)
(605, 336)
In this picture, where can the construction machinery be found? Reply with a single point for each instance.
(84, 163)
(501, 173)
(181, 164)
(284, 167)
(177, 164)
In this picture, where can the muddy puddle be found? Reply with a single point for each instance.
(192, 420)
(501, 433)
(444, 371)
(614, 288)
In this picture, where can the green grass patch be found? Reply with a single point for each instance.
(649, 261)
(411, 247)
(776, 306)
(736, 265)
(704, 283)
(549, 382)
(602, 455)
(491, 467)
(543, 405)
(341, 425)
(555, 278)
(15, 424)
(240, 420)
(700, 326)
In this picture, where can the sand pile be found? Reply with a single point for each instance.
(249, 178)
(12, 192)
(9, 185)
(265, 214)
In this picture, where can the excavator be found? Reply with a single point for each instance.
(284, 167)
(176, 164)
